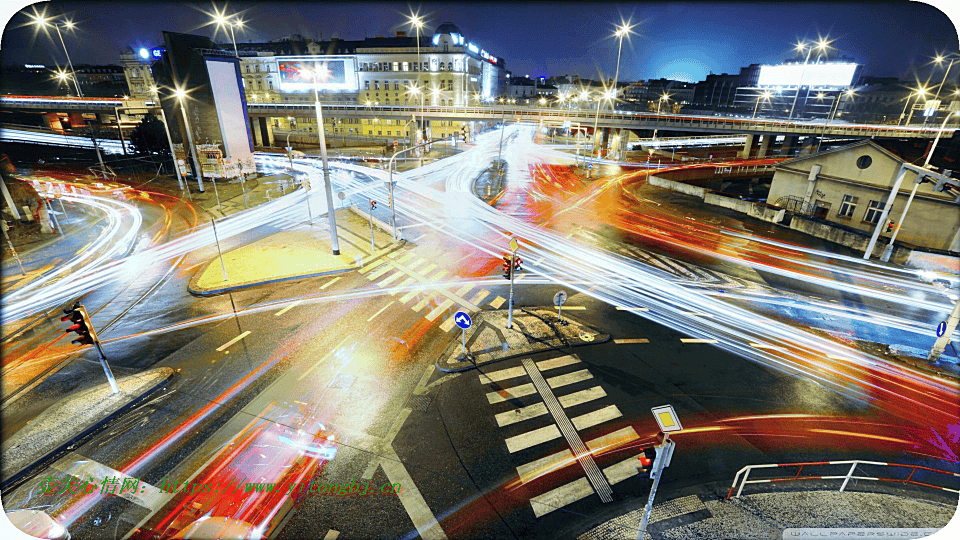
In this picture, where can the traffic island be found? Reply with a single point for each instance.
(535, 329)
(280, 257)
(72, 419)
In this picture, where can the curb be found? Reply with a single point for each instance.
(383, 226)
(17, 479)
(212, 292)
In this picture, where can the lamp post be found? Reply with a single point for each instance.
(821, 46)
(608, 95)
(44, 22)
(664, 97)
(766, 98)
(939, 60)
(417, 23)
(836, 105)
(181, 96)
(318, 72)
(622, 31)
(222, 21)
(919, 92)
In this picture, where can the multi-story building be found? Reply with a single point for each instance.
(642, 93)
(528, 91)
(445, 70)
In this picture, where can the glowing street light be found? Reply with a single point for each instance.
(417, 23)
(766, 98)
(920, 91)
(623, 31)
(223, 20)
(820, 46)
(181, 96)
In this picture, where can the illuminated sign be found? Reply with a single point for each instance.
(157, 52)
(34, 66)
(144, 53)
(484, 54)
(473, 48)
(831, 74)
(330, 75)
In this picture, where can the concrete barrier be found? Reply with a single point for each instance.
(940, 262)
(677, 186)
(753, 209)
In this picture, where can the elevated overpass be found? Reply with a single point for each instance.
(629, 120)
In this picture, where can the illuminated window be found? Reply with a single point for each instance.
(406, 66)
(396, 66)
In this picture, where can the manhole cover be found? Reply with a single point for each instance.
(419, 403)
(586, 337)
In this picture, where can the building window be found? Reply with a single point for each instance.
(406, 66)
(449, 66)
(874, 209)
(259, 85)
(366, 85)
(376, 85)
(864, 161)
(396, 66)
(270, 84)
(441, 66)
(396, 85)
(848, 206)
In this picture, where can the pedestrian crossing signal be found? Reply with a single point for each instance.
(507, 266)
(647, 459)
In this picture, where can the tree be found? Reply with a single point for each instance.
(149, 138)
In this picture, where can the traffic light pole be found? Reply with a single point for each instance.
(373, 247)
(513, 258)
(103, 358)
(664, 453)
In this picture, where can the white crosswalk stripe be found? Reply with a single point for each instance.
(533, 416)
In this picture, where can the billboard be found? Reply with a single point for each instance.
(830, 74)
(231, 114)
(332, 74)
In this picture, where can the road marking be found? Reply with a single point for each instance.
(405, 258)
(286, 309)
(535, 469)
(329, 283)
(463, 290)
(439, 309)
(497, 302)
(611, 441)
(509, 393)
(695, 314)
(331, 535)
(415, 264)
(594, 418)
(232, 341)
(554, 363)
(622, 308)
(618, 472)
(561, 496)
(391, 278)
(413, 502)
(479, 297)
(371, 266)
(630, 341)
(571, 308)
(582, 396)
(521, 414)
(406, 283)
(427, 268)
(764, 346)
(419, 238)
(380, 271)
(532, 438)
(569, 378)
(697, 340)
(409, 296)
(320, 361)
(447, 324)
(374, 316)
(84, 468)
(423, 301)
(502, 375)
(569, 428)
(436, 277)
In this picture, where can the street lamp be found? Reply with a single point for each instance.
(41, 21)
(417, 22)
(921, 91)
(320, 71)
(821, 46)
(222, 20)
(836, 104)
(622, 31)
(766, 98)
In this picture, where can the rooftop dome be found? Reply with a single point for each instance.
(447, 28)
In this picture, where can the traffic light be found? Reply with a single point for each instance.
(373, 205)
(889, 226)
(944, 186)
(506, 266)
(81, 325)
(517, 261)
(647, 458)
(463, 130)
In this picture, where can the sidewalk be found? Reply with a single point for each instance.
(535, 329)
(293, 254)
(768, 515)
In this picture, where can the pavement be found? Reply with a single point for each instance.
(72, 418)
(779, 515)
(535, 329)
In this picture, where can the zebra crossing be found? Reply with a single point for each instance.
(400, 270)
(537, 402)
(677, 268)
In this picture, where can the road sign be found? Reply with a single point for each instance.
(590, 166)
(667, 418)
(941, 328)
(341, 195)
(514, 244)
(559, 298)
(462, 320)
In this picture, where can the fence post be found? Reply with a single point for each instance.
(743, 482)
(849, 474)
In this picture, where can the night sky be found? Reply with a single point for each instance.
(681, 40)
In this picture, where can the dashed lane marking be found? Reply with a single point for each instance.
(321, 360)
(286, 309)
(622, 308)
(331, 535)
(232, 341)
(631, 341)
(497, 302)
(384, 308)
(697, 340)
(439, 309)
(329, 283)
(521, 414)
(479, 297)
(571, 308)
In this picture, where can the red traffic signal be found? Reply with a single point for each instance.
(506, 266)
(373, 205)
(77, 315)
(517, 261)
(646, 459)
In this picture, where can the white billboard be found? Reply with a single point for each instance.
(232, 115)
(830, 74)
(332, 74)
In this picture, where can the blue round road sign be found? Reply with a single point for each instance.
(941, 328)
(462, 320)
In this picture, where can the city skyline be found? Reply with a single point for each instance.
(669, 40)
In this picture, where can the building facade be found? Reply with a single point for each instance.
(850, 186)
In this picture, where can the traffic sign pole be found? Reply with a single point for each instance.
(514, 245)
(667, 448)
(463, 341)
(463, 321)
(942, 341)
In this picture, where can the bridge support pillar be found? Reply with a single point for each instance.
(809, 146)
(604, 141)
(262, 131)
(765, 145)
(52, 120)
(748, 146)
(789, 145)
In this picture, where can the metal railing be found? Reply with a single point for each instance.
(741, 478)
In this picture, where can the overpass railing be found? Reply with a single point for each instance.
(740, 480)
